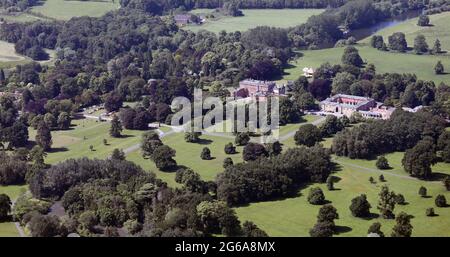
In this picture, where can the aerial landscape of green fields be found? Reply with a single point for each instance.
(89, 146)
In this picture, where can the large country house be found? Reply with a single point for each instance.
(258, 88)
(341, 104)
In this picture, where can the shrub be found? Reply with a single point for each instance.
(382, 163)
(430, 212)
(316, 196)
(440, 201)
(360, 207)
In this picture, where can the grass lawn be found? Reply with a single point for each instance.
(64, 10)
(8, 229)
(294, 126)
(439, 29)
(13, 191)
(20, 17)
(295, 216)
(421, 65)
(75, 142)
(8, 53)
(257, 17)
(9, 58)
(188, 154)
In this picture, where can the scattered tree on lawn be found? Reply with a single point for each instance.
(430, 212)
(230, 148)
(360, 207)
(423, 191)
(440, 201)
(403, 227)
(206, 154)
(386, 203)
(382, 163)
(116, 127)
(439, 68)
(163, 157)
(307, 135)
(316, 196)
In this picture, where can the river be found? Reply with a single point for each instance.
(366, 32)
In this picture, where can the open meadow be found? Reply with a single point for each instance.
(188, 154)
(282, 18)
(421, 65)
(295, 216)
(66, 9)
(75, 142)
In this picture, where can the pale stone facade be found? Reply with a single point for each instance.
(341, 104)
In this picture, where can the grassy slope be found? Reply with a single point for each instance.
(188, 154)
(295, 216)
(422, 65)
(252, 18)
(8, 229)
(22, 17)
(71, 143)
(64, 10)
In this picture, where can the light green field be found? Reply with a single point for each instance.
(64, 10)
(21, 17)
(9, 58)
(295, 216)
(8, 229)
(188, 154)
(282, 18)
(74, 143)
(439, 29)
(13, 191)
(421, 65)
(8, 53)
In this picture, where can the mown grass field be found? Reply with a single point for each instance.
(20, 17)
(188, 154)
(75, 142)
(64, 10)
(438, 29)
(8, 229)
(282, 18)
(421, 65)
(295, 216)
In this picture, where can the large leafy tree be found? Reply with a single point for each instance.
(5, 206)
(44, 136)
(307, 135)
(418, 160)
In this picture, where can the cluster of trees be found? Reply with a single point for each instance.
(402, 131)
(397, 42)
(99, 196)
(17, 5)
(322, 30)
(13, 131)
(309, 134)
(390, 88)
(162, 155)
(159, 7)
(139, 117)
(276, 176)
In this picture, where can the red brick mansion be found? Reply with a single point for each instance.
(258, 88)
